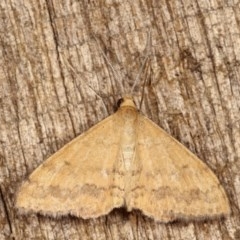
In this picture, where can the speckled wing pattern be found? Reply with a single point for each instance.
(172, 183)
(79, 178)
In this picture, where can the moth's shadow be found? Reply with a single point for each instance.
(123, 213)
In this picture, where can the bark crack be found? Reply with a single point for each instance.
(6, 211)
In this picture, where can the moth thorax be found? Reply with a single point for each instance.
(127, 102)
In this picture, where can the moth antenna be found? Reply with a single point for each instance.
(137, 79)
(76, 74)
(142, 93)
(115, 74)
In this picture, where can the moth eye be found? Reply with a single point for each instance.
(119, 102)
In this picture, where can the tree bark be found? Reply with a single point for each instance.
(55, 83)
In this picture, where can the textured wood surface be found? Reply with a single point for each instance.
(193, 92)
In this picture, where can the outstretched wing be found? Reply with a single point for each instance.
(79, 178)
(172, 183)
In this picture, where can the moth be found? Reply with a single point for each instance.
(126, 161)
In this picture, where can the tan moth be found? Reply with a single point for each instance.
(127, 161)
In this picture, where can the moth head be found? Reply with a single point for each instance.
(126, 101)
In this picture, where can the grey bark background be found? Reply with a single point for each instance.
(55, 84)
